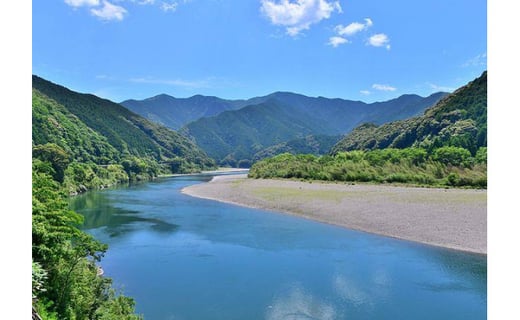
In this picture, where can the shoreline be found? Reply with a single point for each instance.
(218, 171)
(449, 218)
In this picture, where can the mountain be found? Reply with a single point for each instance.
(176, 112)
(236, 135)
(94, 130)
(316, 145)
(459, 120)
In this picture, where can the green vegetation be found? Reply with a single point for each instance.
(281, 122)
(446, 166)
(177, 112)
(447, 146)
(66, 283)
(82, 142)
(458, 120)
(317, 145)
(93, 143)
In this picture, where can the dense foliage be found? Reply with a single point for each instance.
(66, 280)
(260, 128)
(446, 166)
(458, 120)
(447, 146)
(100, 143)
(316, 145)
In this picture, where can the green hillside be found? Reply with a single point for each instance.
(458, 120)
(176, 112)
(100, 142)
(312, 144)
(233, 137)
(447, 146)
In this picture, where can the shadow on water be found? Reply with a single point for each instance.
(470, 270)
(98, 210)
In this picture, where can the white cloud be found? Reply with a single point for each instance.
(195, 84)
(172, 6)
(383, 87)
(109, 12)
(478, 60)
(106, 10)
(441, 88)
(81, 3)
(353, 28)
(336, 41)
(298, 15)
(379, 40)
(364, 92)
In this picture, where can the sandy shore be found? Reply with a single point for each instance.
(451, 218)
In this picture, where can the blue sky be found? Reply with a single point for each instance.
(359, 50)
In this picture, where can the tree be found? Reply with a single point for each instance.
(455, 156)
(56, 156)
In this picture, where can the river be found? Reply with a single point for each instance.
(182, 257)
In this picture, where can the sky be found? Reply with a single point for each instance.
(358, 50)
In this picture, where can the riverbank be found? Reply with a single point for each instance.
(218, 171)
(450, 218)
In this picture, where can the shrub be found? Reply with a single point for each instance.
(455, 156)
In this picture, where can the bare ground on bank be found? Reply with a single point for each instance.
(450, 218)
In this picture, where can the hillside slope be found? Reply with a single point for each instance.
(90, 132)
(459, 120)
(176, 112)
(234, 136)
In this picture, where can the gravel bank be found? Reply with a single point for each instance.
(451, 218)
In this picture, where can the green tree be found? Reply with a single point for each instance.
(455, 156)
(66, 283)
(56, 156)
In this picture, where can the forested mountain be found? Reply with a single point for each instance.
(176, 112)
(459, 120)
(93, 135)
(79, 142)
(447, 146)
(234, 136)
(317, 145)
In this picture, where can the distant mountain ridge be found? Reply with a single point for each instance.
(233, 131)
(237, 135)
(176, 112)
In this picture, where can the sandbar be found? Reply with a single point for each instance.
(449, 218)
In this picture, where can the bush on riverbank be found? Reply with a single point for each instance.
(446, 166)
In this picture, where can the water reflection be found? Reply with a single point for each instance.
(99, 211)
(299, 304)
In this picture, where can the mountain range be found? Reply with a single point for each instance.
(242, 131)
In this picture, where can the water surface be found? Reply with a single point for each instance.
(182, 257)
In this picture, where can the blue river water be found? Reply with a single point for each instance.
(182, 257)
